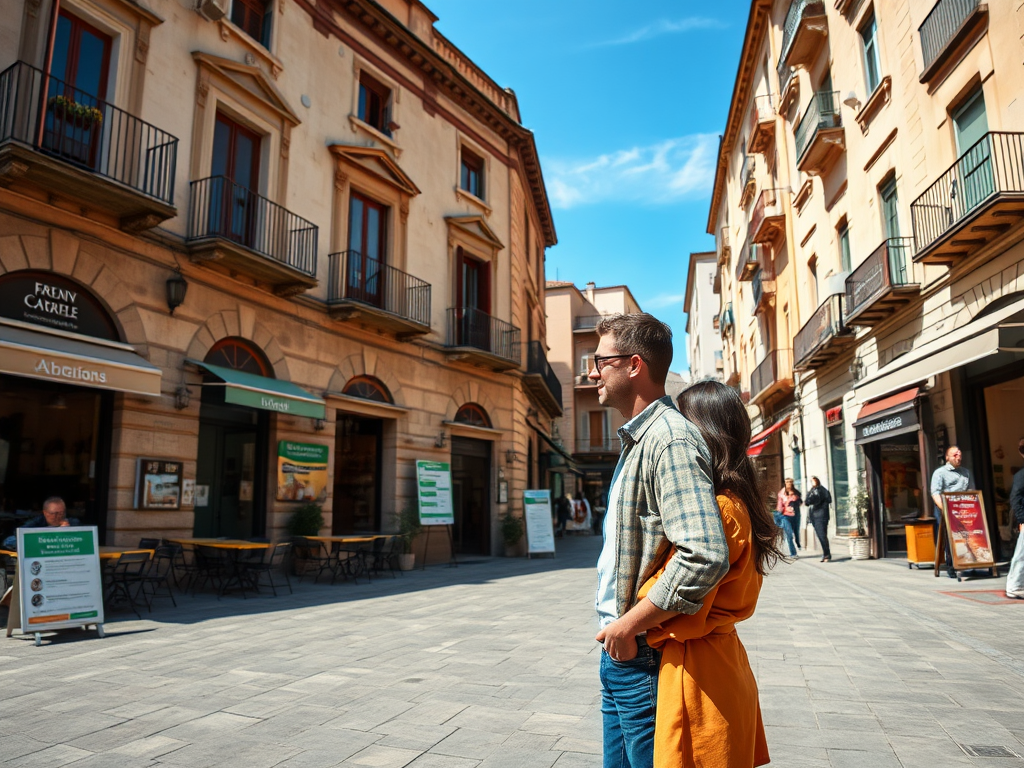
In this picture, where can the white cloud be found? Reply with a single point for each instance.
(662, 27)
(666, 172)
(664, 300)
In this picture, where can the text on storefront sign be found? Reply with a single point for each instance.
(70, 372)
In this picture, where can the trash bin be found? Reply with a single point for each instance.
(920, 542)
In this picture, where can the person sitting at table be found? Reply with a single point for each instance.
(54, 516)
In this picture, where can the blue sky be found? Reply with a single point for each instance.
(627, 106)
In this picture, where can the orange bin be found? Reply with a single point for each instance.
(920, 542)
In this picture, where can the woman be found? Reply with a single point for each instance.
(708, 711)
(787, 505)
(818, 499)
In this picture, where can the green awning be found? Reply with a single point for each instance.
(241, 388)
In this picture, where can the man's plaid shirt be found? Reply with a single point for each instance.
(667, 501)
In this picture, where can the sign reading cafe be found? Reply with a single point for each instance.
(54, 301)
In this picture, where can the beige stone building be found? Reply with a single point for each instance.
(867, 211)
(587, 429)
(258, 236)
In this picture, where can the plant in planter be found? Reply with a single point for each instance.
(70, 110)
(857, 507)
(512, 530)
(409, 527)
(306, 520)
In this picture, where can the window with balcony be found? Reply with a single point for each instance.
(843, 232)
(890, 208)
(235, 175)
(872, 62)
(367, 249)
(471, 173)
(374, 103)
(254, 17)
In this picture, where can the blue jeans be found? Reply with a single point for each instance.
(789, 534)
(629, 700)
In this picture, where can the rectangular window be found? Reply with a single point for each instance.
(253, 17)
(844, 247)
(890, 209)
(872, 65)
(471, 177)
(367, 241)
(374, 98)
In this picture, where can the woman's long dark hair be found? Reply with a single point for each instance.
(719, 415)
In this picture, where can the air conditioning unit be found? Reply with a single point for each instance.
(214, 10)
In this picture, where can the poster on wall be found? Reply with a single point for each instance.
(301, 472)
(157, 484)
(967, 528)
(434, 492)
(540, 532)
(59, 582)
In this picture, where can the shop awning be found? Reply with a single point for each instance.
(999, 331)
(570, 462)
(888, 417)
(760, 440)
(260, 392)
(75, 359)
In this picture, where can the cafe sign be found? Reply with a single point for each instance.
(266, 401)
(53, 301)
(888, 424)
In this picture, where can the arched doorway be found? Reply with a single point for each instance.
(358, 460)
(231, 466)
(471, 484)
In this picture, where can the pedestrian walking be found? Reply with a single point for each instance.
(819, 499)
(949, 478)
(1015, 578)
(787, 504)
(661, 500)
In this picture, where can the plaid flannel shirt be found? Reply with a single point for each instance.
(667, 501)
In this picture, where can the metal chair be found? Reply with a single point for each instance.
(211, 566)
(385, 555)
(276, 560)
(149, 543)
(353, 561)
(156, 580)
(312, 555)
(126, 579)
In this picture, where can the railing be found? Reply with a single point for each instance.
(752, 258)
(825, 323)
(793, 19)
(993, 165)
(763, 110)
(886, 267)
(469, 327)
(62, 121)
(355, 277)
(941, 25)
(727, 318)
(221, 208)
(822, 112)
(776, 366)
(786, 74)
(537, 363)
(598, 445)
(766, 199)
(586, 322)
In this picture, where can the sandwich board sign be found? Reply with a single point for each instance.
(540, 534)
(434, 492)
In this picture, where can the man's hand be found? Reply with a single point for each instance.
(619, 641)
(65, 524)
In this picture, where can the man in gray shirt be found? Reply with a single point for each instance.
(950, 478)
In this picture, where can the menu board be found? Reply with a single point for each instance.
(540, 533)
(301, 473)
(964, 513)
(158, 484)
(434, 492)
(59, 581)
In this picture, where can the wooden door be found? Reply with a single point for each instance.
(236, 162)
(367, 249)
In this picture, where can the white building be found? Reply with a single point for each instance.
(701, 305)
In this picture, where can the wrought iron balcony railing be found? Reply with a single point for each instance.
(48, 115)
(825, 325)
(355, 277)
(823, 112)
(941, 26)
(886, 269)
(537, 364)
(469, 327)
(776, 367)
(220, 208)
(794, 16)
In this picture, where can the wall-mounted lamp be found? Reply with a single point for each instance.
(852, 101)
(177, 287)
(511, 457)
(182, 397)
(319, 425)
(441, 439)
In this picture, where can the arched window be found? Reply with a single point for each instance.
(241, 355)
(473, 415)
(368, 388)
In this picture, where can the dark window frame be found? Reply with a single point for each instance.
(255, 18)
(374, 105)
(471, 173)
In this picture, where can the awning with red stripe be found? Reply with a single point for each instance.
(760, 440)
(906, 396)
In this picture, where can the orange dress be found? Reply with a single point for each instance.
(708, 712)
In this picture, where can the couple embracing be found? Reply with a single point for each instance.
(687, 540)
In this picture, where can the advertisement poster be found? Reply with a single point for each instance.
(158, 484)
(301, 472)
(59, 578)
(434, 491)
(540, 533)
(967, 527)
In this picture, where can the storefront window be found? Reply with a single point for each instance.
(840, 476)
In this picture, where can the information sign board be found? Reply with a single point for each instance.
(540, 533)
(158, 484)
(59, 583)
(967, 527)
(434, 492)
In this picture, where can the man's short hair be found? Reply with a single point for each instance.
(54, 500)
(815, 479)
(641, 334)
(949, 451)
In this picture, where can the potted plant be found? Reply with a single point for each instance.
(857, 508)
(306, 520)
(512, 530)
(80, 115)
(409, 528)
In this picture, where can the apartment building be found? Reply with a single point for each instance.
(254, 254)
(587, 429)
(701, 305)
(867, 212)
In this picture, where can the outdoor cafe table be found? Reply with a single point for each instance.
(234, 548)
(337, 542)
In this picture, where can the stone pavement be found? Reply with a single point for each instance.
(493, 664)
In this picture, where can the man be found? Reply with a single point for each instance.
(54, 516)
(1015, 578)
(950, 478)
(661, 503)
(819, 499)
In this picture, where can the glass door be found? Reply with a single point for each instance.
(974, 168)
(236, 169)
(367, 230)
(891, 224)
(473, 301)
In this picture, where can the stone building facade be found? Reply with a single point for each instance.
(701, 305)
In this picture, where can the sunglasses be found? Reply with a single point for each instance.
(600, 360)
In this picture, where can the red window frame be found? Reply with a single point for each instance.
(374, 98)
(250, 16)
(464, 263)
(473, 415)
(240, 355)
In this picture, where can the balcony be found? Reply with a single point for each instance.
(724, 249)
(976, 200)
(726, 320)
(75, 146)
(881, 284)
(478, 338)
(752, 258)
(949, 24)
(773, 376)
(377, 295)
(587, 323)
(804, 33)
(819, 135)
(763, 289)
(823, 337)
(762, 125)
(607, 445)
(748, 180)
(768, 221)
(789, 86)
(248, 234)
(541, 381)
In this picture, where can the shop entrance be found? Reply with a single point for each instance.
(471, 482)
(1000, 460)
(903, 492)
(358, 457)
